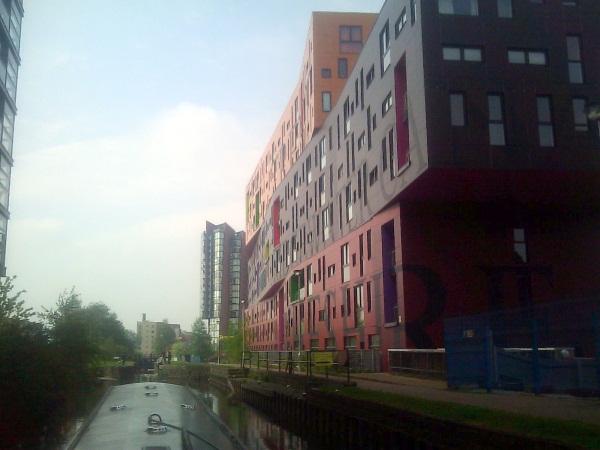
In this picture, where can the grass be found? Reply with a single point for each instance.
(567, 431)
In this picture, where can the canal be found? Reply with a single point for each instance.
(256, 430)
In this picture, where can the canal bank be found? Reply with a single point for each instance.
(294, 399)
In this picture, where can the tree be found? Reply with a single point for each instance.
(165, 337)
(180, 349)
(108, 332)
(49, 370)
(48, 375)
(11, 308)
(232, 343)
(201, 345)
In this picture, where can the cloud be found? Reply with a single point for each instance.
(120, 218)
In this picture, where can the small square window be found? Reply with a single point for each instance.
(516, 57)
(326, 73)
(451, 53)
(473, 54)
(537, 58)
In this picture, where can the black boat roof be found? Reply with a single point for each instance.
(153, 416)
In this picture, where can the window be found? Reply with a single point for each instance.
(370, 75)
(350, 39)
(579, 114)
(457, 109)
(452, 53)
(374, 341)
(520, 244)
(373, 176)
(505, 8)
(384, 163)
(392, 153)
(533, 57)
(574, 57)
(400, 22)
(345, 262)
(545, 125)
(413, 11)
(330, 342)
(384, 48)
(342, 68)
(326, 101)
(349, 341)
(331, 271)
(322, 153)
(8, 128)
(459, 7)
(349, 202)
(326, 73)
(361, 141)
(496, 120)
(386, 105)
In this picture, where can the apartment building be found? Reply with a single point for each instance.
(11, 14)
(223, 279)
(457, 172)
(147, 332)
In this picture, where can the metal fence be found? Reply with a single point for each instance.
(307, 360)
(553, 347)
(420, 362)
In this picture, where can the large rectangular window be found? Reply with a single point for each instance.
(350, 38)
(574, 57)
(579, 114)
(457, 109)
(386, 105)
(533, 57)
(384, 48)
(400, 22)
(459, 7)
(342, 68)
(496, 120)
(545, 122)
(456, 53)
(505, 8)
(326, 101)
(349, 202)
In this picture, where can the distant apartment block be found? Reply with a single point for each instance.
(147, 332)
(435, 160)
(223, 279)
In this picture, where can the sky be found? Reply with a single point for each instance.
(138, 121)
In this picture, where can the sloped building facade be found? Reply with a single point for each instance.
(457, 172)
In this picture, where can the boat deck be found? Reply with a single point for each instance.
(179, 420)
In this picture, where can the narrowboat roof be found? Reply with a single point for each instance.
(157, 416)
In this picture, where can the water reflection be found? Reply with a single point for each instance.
(253, 428)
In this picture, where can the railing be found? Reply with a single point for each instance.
(425, 362)
(305, 361)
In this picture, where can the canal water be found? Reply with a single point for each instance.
(256, 430)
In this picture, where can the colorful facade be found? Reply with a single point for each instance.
(457, 172)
